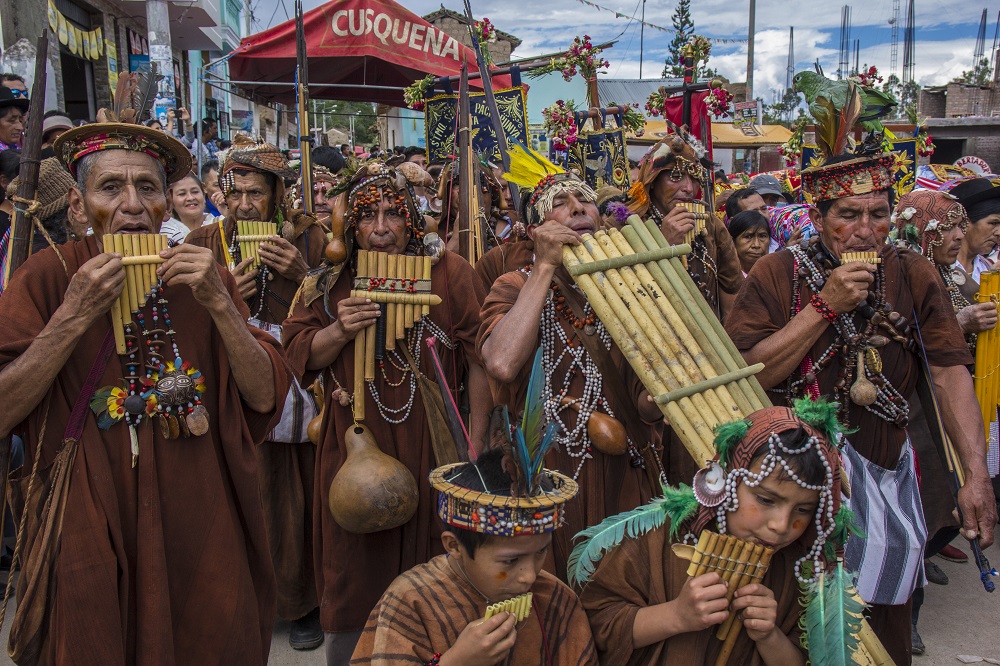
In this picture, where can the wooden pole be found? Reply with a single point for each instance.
(466, 171)
(305, 141)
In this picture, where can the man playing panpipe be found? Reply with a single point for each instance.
(674, 172)
(858, 332)
(250, 177)
(536, 306)
(158, 552)
(322, 337)
(774, 483)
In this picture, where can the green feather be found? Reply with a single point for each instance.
(844, 525)
(595, 541)
(534, 416)
(679, 504)
(822, 415)
(727, 436)
(832, 619)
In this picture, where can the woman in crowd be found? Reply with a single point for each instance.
(751, 235)
(187, 200)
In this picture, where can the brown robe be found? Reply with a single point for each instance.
(504, 259)
(645, 572)
(286, 470)
(166, 563)
(353, 570)
(608, 484)
(426, 609)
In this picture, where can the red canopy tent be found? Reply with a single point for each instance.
(362, 50)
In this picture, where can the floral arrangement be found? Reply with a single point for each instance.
(925, 145)
(486, 33)
(697, 47)
(718, 101)
(632, 120)
(414, 94)
(582, 57)
(560, 126)
(868, 77)
(655, 103)
(791, 149)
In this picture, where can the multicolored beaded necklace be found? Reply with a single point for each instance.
(169, 390)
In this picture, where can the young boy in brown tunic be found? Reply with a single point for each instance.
(776, 483)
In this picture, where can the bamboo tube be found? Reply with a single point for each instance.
(698, 303)
(745, 572)
(708, 384)
(621, 313)
(401, 320)
(359, 351)
(381, 261)
(409, 270)
(402, 299)
(698, 445)
(391, 310)
(706, 545)
(632, 259)
(426, 275)
(650, 334)
(130, 244)
(117, 323)
(872, 646)
(690, 339)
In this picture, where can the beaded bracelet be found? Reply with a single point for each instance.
(825, 310)
(434, 660)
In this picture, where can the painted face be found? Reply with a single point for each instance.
(12, 127)
(251, 197)
(322, 196)
(751, 245)
(187, 198)
(124, 194)
(382, 227)
(983, 235)
(946, 253)
(755, 202)
(573, 210)
(775, 512)
(854, 224)
(667, 191)
(504, 567)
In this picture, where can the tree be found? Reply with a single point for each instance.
(339, 117)
(684, 28)
(977, 76)
(780, 112)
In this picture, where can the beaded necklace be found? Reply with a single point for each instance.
(169, 390)
(813, 264)
(574, 440)
(699, 254)
(958, 301)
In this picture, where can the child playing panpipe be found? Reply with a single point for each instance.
(775, 483)
(497, 535)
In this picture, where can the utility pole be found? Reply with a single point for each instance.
(158, 23)
(642, 30)
(750, 35)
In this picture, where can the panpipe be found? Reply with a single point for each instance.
(700, 215)
(863, 257)
(986, 377)
(401, 285)
(140, 256)
(638, 287)
(739, 563)
(519, 607)
(250, 234)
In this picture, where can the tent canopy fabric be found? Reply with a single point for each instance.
(724, 135)
(372, 48)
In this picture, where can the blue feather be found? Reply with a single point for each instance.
(534, 416)
(599, 539)
(832, 619)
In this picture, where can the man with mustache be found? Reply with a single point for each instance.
(251, 176)
(158, 550)
(845, 330)
(537, 305)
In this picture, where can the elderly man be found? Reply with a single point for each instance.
(353, 570)
(251, 180)
(12, 118)
(159, 548)
(860, 332)
(674, 171)
(536, 305)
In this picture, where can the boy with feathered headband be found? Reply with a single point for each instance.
(377, 211)
(776, 483)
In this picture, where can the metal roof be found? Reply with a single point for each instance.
(632, 91)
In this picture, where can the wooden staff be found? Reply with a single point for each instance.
(302, 88)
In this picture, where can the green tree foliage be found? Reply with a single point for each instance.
(979, 75)
(684, 27)
(338, 116)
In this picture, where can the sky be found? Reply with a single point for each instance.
(945, 33)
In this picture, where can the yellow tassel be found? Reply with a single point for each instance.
(528, 168)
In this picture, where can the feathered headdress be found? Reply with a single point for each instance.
(543, 180)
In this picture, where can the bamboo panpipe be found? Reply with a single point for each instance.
(250, 234)
(698, 208)
(402, 286)
(871, 652)
(664, 333)
(738, 562)
(863, 257)
(140, 256)
(519, 607)
(986, 377)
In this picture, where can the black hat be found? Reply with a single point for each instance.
(979, 196)
(7, 98)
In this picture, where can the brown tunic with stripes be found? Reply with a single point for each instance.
(424, 611)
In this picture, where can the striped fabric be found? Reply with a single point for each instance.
(993, 450)
(425, 609)
(889, 559)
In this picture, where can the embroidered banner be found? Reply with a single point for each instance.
(439, 123)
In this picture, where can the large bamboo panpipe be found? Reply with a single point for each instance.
(140, 256)
(666, 331)
(401, 284)
(986, 377)
(250, 234)
(738, 562)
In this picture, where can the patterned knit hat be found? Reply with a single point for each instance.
(925, 215)
(680, 153)
(252, 154)
(54, 184)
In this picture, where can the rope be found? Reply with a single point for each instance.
(30, 208)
